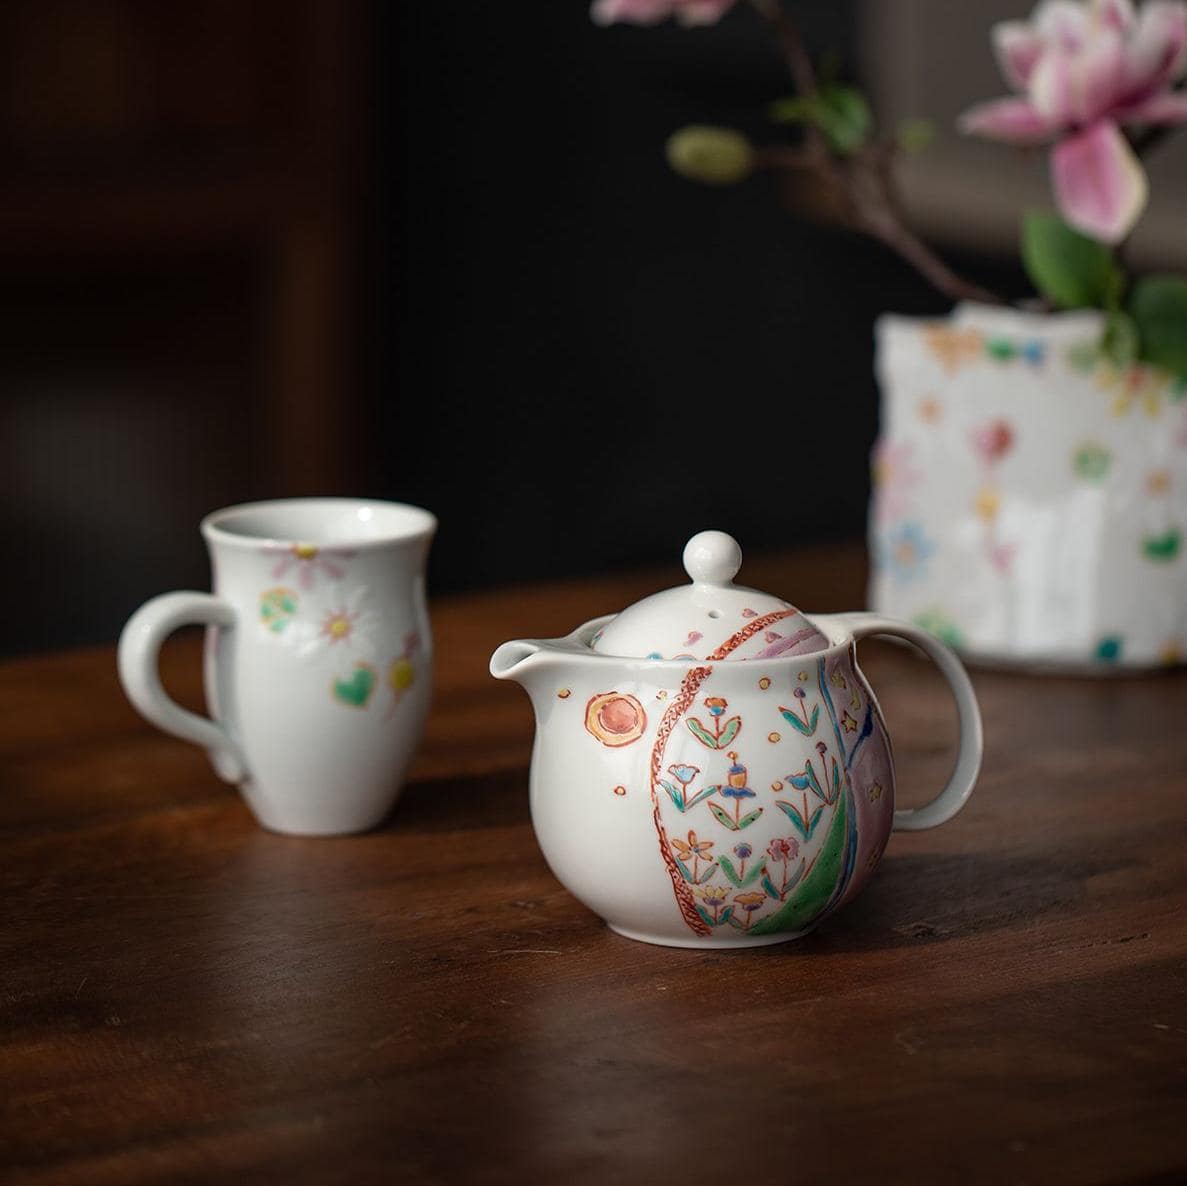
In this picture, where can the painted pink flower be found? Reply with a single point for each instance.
(651, 12)
(784, 850)
(895, 477)
(1083, 69)
(993, 440)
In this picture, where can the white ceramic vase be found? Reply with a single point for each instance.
(1030, 498)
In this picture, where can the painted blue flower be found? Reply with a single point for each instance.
(743, 851)
(737, 792)
(905, 550)
(684, 774)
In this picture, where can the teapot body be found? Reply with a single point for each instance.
(710, 804)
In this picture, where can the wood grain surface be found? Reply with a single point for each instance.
(187, 998)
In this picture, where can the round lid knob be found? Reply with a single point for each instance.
(712, 618)
(712, 558)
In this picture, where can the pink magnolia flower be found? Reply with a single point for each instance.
(1084, 68)
(651, 12)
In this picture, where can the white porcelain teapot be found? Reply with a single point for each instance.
(711, 768)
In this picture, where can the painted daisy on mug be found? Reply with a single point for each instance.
(344, 624)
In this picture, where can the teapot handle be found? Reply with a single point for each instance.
(971, 744)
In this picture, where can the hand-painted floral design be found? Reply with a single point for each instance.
(782, 852)
(1091, 462)
(952, 346)
(308, 562)
(749, 902)
(345, 624)
(722, 732)
(690, 854)
(992, 442)
(735, 788)
(799, 718)
(936, 622)
(895, 476)
(777, 881)
(904, 550)
(277, 608)
(401, 671)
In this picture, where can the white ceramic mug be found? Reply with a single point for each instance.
(318, 657)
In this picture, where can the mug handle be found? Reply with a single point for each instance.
(139, 649)
(971, 744)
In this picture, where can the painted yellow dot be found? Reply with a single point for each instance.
(563, 694)
(304, 551)
(772, 736)
(661, 695)
(802, 677)
(620, 791)
(776, 787)
(987, 503)
(401, 675)
(765, 682)
(1158, 481)
(339, 628)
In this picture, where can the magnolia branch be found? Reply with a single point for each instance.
(862, 183)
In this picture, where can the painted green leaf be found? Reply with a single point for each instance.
(685, 872)
(723, 817)
(706, 874)
(1091, 462)
(1158, 306)
(836, 779)
(769, 886)
(706, 915)
(1164, 547)
(676, 795)
(701, 796)
(701, 733)
(747, 820)
(729, 732)
(812, 895)
(733, 921)
(807, 728)
(731, 874)
(793, 813)
(811, 782)
(1071, 269)
(814, 821)
(725, 915)
(755, 871)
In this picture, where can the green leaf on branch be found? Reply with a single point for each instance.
(840, 112)
(1070, 269)
(1158, 306)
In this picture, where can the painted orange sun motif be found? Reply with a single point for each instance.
(615, 719)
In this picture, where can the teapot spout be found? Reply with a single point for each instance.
(513, 659)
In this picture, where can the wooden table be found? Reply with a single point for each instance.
(186, 998)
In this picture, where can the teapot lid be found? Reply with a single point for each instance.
(710, 619)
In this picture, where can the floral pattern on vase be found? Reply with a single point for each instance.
(1043, 512)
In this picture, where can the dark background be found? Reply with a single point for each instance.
(429, 252)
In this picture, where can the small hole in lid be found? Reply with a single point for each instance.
(715, 613)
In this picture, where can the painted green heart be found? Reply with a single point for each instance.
(357, 690)
(1162, 547)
